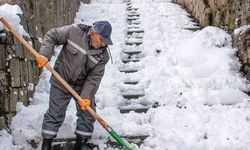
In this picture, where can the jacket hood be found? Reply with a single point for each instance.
(84, 27)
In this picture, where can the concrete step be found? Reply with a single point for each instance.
(133, 26)
(68, 143)
(135, 35)
(132, 11)
(132, 52)
(126, 1)
(138, 37)
(126, 56)
(131, 60)
(133, 18)
(135, 30)
(137, 110)
(134, 43)
(132, 96)
(132, 8)
(133, 15)
(131, 82)
(129, 70)
(136, 22)
(133, 40)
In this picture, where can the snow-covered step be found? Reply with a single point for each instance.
(127, 109)
(133, 40)
(133, 26)
(133, 15)
(132, 8)
(127, 56)
(68, 143)
(135, 35)
(128, 70)
(132, 52)
(131, 82)
(127, 1)
(133, 48)
(132, 11)
(136, 22)
(130, 96)
(133, 18)
(134, 43)
(131, 60)
(129, 7)
(136, 139)
(135, 30)
(140, 37)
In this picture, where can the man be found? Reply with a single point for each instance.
(81, 63)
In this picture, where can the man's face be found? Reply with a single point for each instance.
(96, 40)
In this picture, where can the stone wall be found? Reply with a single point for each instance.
(228, 15)
(18, 69)
(18, 74)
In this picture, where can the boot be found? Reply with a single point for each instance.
(85, 145)
(46, 145)
(81, 144)
(78, 145)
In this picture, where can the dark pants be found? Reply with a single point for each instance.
(55, 115)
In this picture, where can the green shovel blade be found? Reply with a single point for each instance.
(120, 140)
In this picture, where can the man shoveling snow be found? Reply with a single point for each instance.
(81, 63)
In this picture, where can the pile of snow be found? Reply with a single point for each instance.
(6, 141)
(200, 66)
(11, 14)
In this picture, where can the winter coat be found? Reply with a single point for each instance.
(76, 57)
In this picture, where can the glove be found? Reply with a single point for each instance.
(41, 60)
(84, 103)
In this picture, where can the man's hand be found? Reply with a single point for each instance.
(41, 60)
(84, 103)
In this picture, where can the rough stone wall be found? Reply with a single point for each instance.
(18, 74)
(228, 15)
(18, 69)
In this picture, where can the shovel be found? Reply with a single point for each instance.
(119, 139)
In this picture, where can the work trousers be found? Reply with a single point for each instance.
(55, 115)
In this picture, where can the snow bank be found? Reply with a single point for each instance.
(11, 14)
(6, 141)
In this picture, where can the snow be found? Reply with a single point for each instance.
(10, 13)
(194, 78)
(6, 141)
(241, 29)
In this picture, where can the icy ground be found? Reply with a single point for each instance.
(195, 79)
